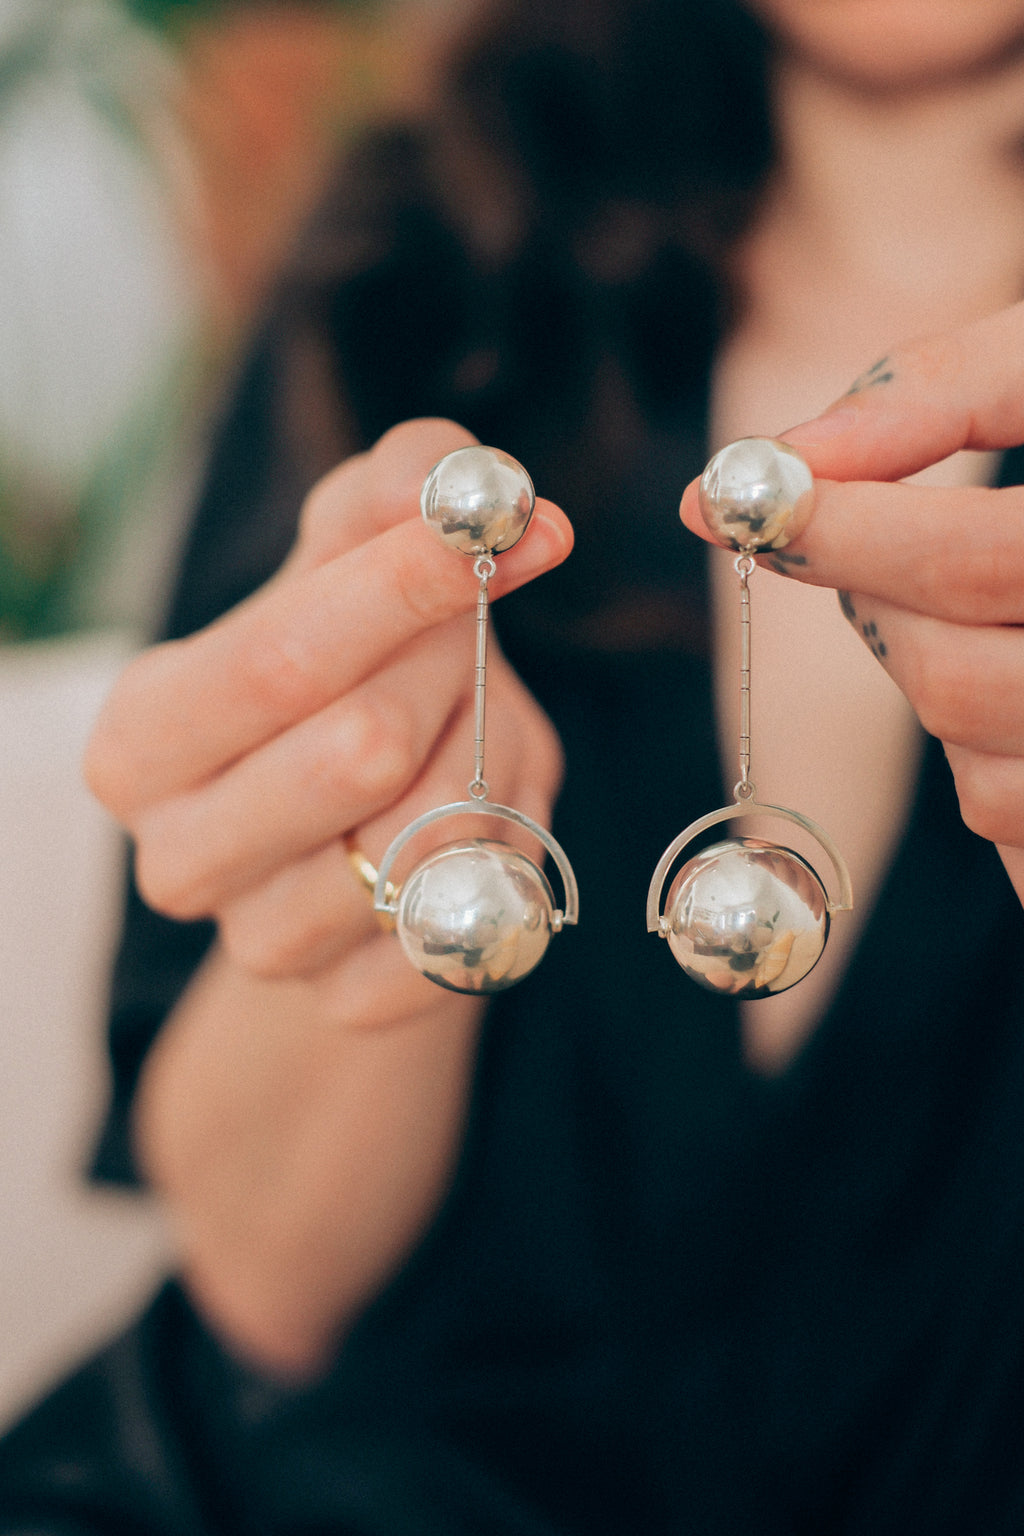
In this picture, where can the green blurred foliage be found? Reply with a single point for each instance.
(173, 15)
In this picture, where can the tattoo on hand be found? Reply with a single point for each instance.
(781, 561)
(878, 646)
(880, 373)
(868, 627)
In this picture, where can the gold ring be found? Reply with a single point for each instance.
(366, 874)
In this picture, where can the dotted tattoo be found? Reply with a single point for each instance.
(879, 649)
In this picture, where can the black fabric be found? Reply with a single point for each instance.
(665, 1294)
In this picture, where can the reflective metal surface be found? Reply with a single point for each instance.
(746, 918)
(478, 500)
(756, 494)
(475, 915)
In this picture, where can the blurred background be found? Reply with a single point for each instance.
(157, 158)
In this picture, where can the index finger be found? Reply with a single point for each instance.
(186, 709)
(371, 491)
(953, 553)
(925, 400)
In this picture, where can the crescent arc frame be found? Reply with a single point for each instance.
(568, 915)
(747, 807)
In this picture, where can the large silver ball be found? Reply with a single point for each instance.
(478, 500)
(756, 494)
(747, 918)
(475, 916)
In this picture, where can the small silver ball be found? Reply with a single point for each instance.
(478, 500)
(756, 494)
(747, 918)
(475, 916)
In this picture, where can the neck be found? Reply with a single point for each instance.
(892, 184)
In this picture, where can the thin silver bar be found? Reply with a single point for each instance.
(483, 569)
(744, 567)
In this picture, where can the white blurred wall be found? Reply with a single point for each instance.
(74, 1262)
(100, 308)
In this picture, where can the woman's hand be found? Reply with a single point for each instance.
(338, 697)
(932, 579)
(302, 1109)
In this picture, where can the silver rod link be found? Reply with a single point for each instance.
(745, 567)
(483, 569)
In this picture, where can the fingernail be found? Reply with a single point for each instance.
(549, 543)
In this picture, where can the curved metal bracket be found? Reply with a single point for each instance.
(480, 808)
(746, 807)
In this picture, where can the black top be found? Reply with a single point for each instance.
(665, 1294)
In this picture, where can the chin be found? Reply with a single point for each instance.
(885, 44)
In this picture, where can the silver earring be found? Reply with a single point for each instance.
(746, 917)
(476, 915)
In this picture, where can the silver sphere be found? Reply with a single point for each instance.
(475, 916)
(747, 918)
(478, 500)
(756, 494)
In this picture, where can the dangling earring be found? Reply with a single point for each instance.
(746, 917)
(476, 915)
